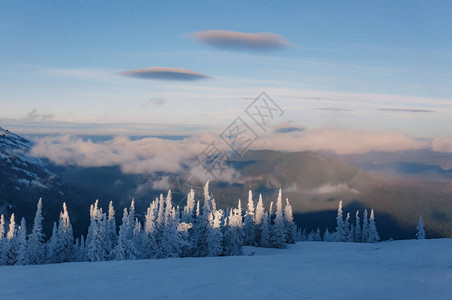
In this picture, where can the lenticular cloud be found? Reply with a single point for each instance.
(241, 40)
(163, 73)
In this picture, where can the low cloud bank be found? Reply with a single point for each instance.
(149, 155)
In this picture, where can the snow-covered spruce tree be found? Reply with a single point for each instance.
(11, 247)
(22, 255)
(348, 229)
(36, 244)
(111, 236)
(82, 255)
(311, 236)
(365, 230)
(51, 245)
(171, 243)
(138, 239)
(249, 231)
(420, 234)
(327, 236)
(300, 235)
(318, 235)
(341, 230)
(149, 241)
(373, 233)
(278, 238)
(259, 215)
(96, 240)
(233, 235)
(214, 234)
(124, 250)
(2, 240)
(64, 247)
(357, 231)
(189, 209)
(202, 224)
(265, 237)
(291, 228)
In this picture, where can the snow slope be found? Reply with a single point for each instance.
(309, 270)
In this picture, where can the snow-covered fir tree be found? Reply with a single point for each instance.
(2, 240)
(341, 229)
(214, 234)
(11, 246)
(357, 231)
(420, 234)
(111, 236)
(233, 235)
(22, 256)
(265, 237)
(291, 228)
(63, 250)
(278, 236)
(96, 240)
(372, 236)
(365, 228)
(249, 230)
(36, 244)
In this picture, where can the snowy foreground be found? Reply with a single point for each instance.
(415, 269)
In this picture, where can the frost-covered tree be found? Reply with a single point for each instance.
(214, 234)
(291, 228)
(233, 236)
(22, 256)
(2, 240)
(265, 237)
(357, 231)
(11, 247)
(189, 209)
(365, 230)
(372, 233)
(278, 238)
(64, 247)
(420, 234)
(149, 240)
(96, 240)
(52, 245)
(348, 229)
(202, 224)
(327, 236)
(111, 237)
(125, 249)
(249, 231)
(36, 244)
(171, 242)
(258, 217)
(341, 230)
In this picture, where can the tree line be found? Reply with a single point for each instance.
(196, 230)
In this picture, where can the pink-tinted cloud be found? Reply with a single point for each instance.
(240, 40)
(442, 144)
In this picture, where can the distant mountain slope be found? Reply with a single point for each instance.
(23, 179)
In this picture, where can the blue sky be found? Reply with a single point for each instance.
(61, 61)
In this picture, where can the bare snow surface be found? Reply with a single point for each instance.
(308, 270)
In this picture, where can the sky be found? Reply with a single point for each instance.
(71, 67)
